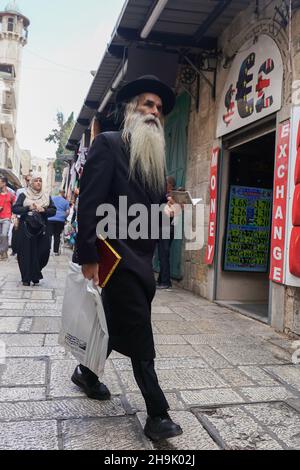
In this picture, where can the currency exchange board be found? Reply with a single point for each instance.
(248, 229)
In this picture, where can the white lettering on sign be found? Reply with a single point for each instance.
(285, 132)
(279, 192)
(277, 253)
(277, 272)
(281, 171)
(210, 248)
(213, 206)
(283, 150)
(214, 160)
(280, 203)
(213, 182)
(278, 233)
(279, 214)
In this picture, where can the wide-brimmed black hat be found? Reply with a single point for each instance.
(148, 84)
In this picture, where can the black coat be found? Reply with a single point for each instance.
(33, 249)
(128, 295)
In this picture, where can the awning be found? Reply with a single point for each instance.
(12, 178)
(161, 24)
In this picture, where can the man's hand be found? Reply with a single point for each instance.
(172, 209)
(90, 272)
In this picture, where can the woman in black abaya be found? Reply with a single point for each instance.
(34, 207)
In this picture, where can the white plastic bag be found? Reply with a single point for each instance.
(84, 330)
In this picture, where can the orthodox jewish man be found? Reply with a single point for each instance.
(129, 163)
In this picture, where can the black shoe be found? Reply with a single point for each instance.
(163, 286)
(96, 390)
(27, 284)
(159, 428)
(36, 283)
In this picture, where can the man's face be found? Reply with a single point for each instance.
(150, 104)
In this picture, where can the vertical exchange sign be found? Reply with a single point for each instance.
(210, 251)
(280, 203)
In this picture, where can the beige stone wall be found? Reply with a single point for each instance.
(200, 136)
(292, 311)
(201, 133)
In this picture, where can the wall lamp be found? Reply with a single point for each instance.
(153, 18)
(207, 62)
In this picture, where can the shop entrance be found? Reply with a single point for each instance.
(246, 196)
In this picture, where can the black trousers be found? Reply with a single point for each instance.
(164, 248)
(14, 240)
(147, 381)
(55, 229)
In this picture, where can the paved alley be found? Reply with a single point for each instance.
(230, 380)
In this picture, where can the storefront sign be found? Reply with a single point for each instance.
(292, 265)
(248, 229)
(279, 203)
(253, 87)
(210, 251)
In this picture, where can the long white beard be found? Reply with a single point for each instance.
(147, 150)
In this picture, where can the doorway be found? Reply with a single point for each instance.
(245, 217)
(176, 155)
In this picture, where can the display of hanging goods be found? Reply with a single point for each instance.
(84, 330)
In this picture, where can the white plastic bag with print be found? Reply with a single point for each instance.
(84, 330)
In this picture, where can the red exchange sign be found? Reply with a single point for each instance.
(280, 203)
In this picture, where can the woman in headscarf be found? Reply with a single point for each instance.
(34, 206)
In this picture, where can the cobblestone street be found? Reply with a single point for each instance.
(230, 380)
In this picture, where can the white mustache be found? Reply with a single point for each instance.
(151, 119)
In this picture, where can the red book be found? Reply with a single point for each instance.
(109, 260)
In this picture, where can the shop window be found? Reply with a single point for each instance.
(249, 207)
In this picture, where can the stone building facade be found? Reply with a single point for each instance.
(280, 21)
(13, 37)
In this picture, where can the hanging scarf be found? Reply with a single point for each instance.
(39, 198)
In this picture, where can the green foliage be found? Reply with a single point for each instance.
(59, 136)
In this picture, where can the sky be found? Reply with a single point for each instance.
(67, 39)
